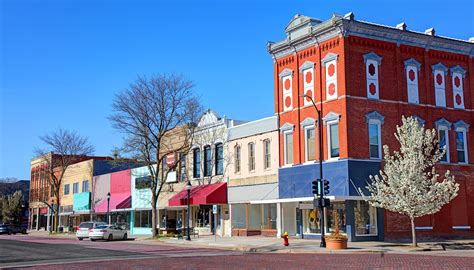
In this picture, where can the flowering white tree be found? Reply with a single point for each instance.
(408, 183)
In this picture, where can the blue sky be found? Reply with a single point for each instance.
(61, 62)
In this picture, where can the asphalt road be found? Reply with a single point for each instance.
(53, 253)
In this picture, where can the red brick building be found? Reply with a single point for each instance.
(364, 77)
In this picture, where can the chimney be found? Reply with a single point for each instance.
(430, 31)
(402, 26)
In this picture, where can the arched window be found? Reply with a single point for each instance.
(207, 161)
(237, 158)
(219, 159)
(251, 150)
(266, 154)
(196, 163)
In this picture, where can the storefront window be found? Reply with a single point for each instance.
(311, 221)
(121, 219)
(143, 219)
(269, 216)
(203, 216)
(238, 216)
(255, 216)
(339, 209)
(365, 218)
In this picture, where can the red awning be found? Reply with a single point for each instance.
(117, 201)
(203, 194)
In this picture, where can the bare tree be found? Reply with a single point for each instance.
(63, 148)
(157, 116)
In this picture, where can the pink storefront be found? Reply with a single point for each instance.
(119, 186)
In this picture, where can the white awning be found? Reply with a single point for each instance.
(245, 194)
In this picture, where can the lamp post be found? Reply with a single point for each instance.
(188, 190)
(108, 208)
(320, 143)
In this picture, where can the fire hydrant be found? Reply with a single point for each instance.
(285, 239)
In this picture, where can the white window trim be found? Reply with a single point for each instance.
(269, 154)
(194, 163)
(464, 134)
(286, 164)
(249, 160)
(306, 143)
(379, 131)
(446, 129)
(328, 134)
(239, 148)
(467, 227)
(424, 228)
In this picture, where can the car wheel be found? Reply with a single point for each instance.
(110, 238)
(9, 233)
(80, 239)
(92, 239)
(24, 231)
(125, 236)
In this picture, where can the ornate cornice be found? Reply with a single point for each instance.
(412, 62)
(372, 56)
(287, 127)
(331, 116)
(442, 123)
(308, 122)
(346, 26)
(374, 116)
(441, 67)
(328, 58)
(286, 72)
(458, 69)
(306, 65)
(461, 124)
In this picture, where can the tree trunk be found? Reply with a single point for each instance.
(56, 213)
(153, 216)
(413, 232)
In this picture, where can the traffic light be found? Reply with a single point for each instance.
(315, 185)
(326, 187)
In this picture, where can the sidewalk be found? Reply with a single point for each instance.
(267, 244)
(258, 244)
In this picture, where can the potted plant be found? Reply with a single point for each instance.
(336, 240)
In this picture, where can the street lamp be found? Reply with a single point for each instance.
(320, 143)
(108, 208)
(188, 189)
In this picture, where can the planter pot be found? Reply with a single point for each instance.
(336, 244)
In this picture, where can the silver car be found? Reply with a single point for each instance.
(108, 232)
(84, 228)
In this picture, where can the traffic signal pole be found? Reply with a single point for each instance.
(321, 193)
(320, 181)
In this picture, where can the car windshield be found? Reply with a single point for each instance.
(87, 225)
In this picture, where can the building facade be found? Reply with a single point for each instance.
(77, 189)
(363, 77)
(253, 181)
(208, 162)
